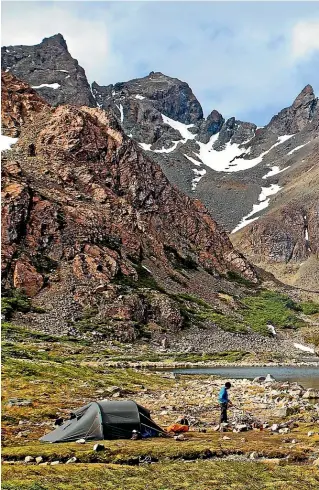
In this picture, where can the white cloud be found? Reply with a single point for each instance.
(236, 59)
(305, 38)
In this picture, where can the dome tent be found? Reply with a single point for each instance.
(105, 420)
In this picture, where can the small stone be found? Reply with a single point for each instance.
(44, 464)
(39, 459)
(310, 433)
(98, 447)
(275, 461)
(285, 430)
(216, 428)
(274, 428)
(55, 463)
(80, 441)
(71, 460)
(180, 437)
(28, 459)
(19, 402)
(241, 427)
(226, 438)
(253, 455)
(269, 379)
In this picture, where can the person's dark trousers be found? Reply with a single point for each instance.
(223, 413)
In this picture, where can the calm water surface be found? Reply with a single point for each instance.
(307, 376)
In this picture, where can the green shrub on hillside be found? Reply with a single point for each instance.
(16, 300)
(272, 308)
(309, 307)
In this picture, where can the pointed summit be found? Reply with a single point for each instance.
(56, 39)
(305, 97)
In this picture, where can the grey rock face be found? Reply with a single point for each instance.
(295, 118)
(49, 63)
(209, 126)
(140, 103)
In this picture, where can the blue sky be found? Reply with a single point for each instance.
(245, 59)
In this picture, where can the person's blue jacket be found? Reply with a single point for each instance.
(223, 395)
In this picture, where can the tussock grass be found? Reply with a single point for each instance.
(203, 475)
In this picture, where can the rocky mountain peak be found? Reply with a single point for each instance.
(50, 69)
(305, 96)
(56, 39)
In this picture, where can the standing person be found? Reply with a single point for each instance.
(224, 402)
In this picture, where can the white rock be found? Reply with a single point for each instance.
(226, 438)
(55, 463)
(39, 459)
(310, 433)
(28, 459)
(180, 437)
(71, 460)
(98, 447)
(80, 441)
(285, 430)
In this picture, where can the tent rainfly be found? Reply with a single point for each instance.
(105, 420)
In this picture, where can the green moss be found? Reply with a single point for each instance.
(235, 277)
(269, 307)
(226, 322)
(192, 299)
(145, 280)
(309, 307)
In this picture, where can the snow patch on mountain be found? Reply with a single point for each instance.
(140, 97)
(297, 148)
(274, 171)
(49, 85)
(199, 174)
(120, 108)
(181, 127)
(231, 158)
(264, 199)
(6, 142)
(195, 162)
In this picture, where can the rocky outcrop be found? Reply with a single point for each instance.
(50, 69)
(296, 117)
(20, 104)
(83, 206)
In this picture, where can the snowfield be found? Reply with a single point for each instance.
(263, 199)
(231, 159)
(199, 174)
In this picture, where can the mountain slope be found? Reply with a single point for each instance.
(240, 172)
(84, 209)
(285, 240)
